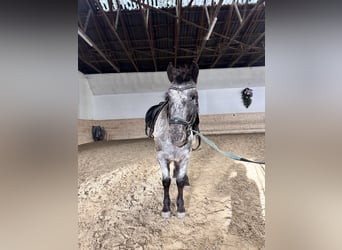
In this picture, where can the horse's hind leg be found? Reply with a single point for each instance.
(164, 164)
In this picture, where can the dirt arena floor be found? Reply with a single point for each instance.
(120, 197)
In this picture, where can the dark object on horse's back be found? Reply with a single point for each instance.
(151, 117)
(98, 133)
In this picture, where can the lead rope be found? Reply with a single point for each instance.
(230, 155)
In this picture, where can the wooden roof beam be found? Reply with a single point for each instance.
(92, 44)
(178, 27)
(89, 64)
(149, 33)
(169, 58)
(189, 22)
(245, 52)
(189, 5)
(101, 35)
(117, 36)
(95, 7)
(211, 28)
(85, 26)
(226, 27)
(237, 10)
(249, 30)
(256, 59)
(237, 32)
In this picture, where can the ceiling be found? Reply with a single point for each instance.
(145, 35)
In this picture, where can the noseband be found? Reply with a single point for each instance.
(192, 86)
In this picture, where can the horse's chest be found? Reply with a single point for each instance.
(168, 151)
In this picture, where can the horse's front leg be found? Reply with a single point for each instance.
(165, 167)
(181, 180)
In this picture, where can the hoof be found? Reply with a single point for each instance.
(166, 214)
(180, 215)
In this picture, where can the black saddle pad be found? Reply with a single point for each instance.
(151, 117)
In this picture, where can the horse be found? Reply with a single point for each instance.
(170, 123)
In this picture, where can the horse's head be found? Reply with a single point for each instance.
(183, 101)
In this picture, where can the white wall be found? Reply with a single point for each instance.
(219, 93)
(216, 101)
(228, 101)
(85, 101)
(123, 106)
(149, 82)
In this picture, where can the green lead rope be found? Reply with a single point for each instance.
(230, 155)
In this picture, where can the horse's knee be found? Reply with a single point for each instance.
(181, 182)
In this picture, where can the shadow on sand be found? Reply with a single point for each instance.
(247, 220)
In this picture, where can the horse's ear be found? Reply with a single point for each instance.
(170, 72)
(194, 70)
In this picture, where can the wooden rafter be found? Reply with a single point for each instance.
(190, 23)
(221, 53)
(152, 51)
(213, 20)
(200, 31)
(117, 36)
(237, 10)
(178, 27)
(126, 34)
(189, 4)
(85, 26)
(89, 64)
(100, 51)
(256, 59)
(149, 33)
(101, 35)
(250, 29)
(148, 58)
(227, 25)
(245, 52)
